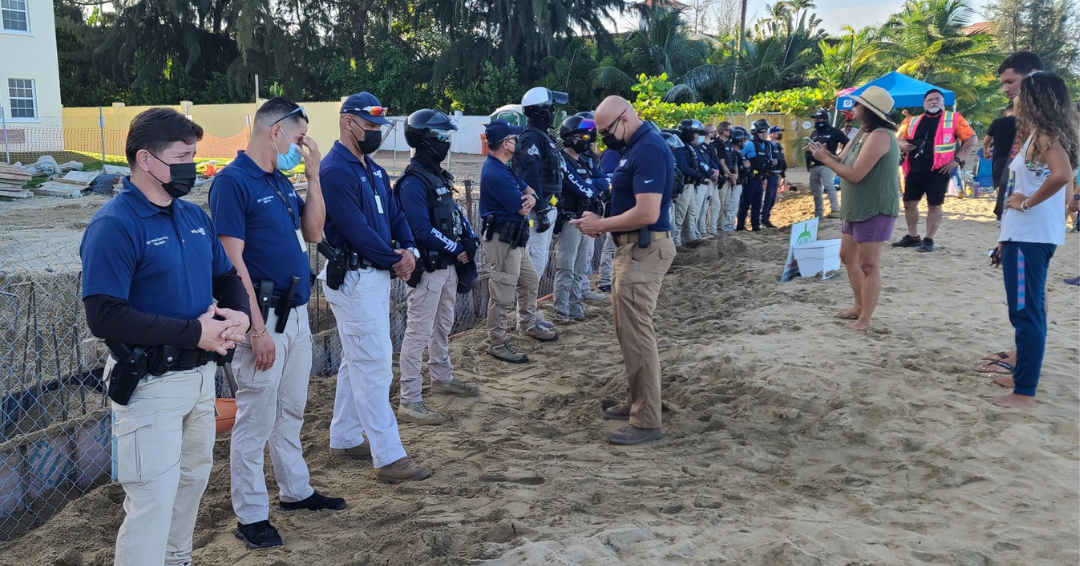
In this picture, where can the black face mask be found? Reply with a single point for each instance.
(542, 119)
(433, 155)
(779, 137)
(371, 142)
(821, 125)
(580, 146)
(181, 178)
(613, 142)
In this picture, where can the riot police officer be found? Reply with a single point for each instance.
(696, 175)
(760, 154)
(447, 246)
(582, 186)
(538, 163)
(777, 175)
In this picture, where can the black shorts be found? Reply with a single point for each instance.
(933, 185)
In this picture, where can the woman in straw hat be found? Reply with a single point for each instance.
(871, 184)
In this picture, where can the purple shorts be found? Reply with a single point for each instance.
(874, 229)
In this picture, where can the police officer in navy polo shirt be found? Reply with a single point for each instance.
(365, 222)
(505, 203)
(152, 268)
(641, 189)
(265, 228)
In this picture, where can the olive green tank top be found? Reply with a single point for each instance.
(879, 190)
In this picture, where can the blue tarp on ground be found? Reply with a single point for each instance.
(906, 92)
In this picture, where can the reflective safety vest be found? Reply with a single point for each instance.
(944, 140)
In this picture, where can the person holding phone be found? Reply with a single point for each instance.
(870, 182)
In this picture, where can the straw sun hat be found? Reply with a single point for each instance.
(876, 100)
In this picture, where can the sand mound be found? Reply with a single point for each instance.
(790, 440)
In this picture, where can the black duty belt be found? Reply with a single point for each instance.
(173, 358)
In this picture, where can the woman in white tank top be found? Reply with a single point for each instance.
(1032, 226)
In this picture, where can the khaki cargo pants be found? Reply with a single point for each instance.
(639, 274)
(510, 276)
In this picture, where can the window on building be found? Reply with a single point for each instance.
(14, 15)
(21, 93)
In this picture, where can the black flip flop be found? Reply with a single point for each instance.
(999, 363)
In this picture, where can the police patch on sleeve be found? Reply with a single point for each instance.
(533, 150)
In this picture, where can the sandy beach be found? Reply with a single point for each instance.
(790, 440)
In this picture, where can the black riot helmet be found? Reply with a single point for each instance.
(739, 134)
(689, 129)
(673, 138)
(578, 133)
(538, 105)
(428, 131)
(587, 114)
(760, 126)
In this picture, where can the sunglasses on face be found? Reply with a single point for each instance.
(607, 130)
(441, 135)
(298, 110)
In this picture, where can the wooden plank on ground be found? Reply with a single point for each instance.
(15, 193)
(15, 177)
(79, 177)
(57, 189)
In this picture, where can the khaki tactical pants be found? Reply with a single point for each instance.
(510, 277)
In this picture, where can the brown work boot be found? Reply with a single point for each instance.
(455, 387)
(617, 413)
(401, 471)
(631, 434)
(362, 452)
(542, 334)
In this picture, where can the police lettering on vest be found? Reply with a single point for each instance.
(439, 232)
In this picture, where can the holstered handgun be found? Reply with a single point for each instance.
(128, 371)
(265, 291)
(285, 304)
(336, 265)
(644, 237)
(521, 237)
(487, 228)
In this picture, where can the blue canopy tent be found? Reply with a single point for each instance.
(906, 92)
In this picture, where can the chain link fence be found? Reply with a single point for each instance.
(55, 424)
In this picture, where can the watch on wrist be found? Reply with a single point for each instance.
(1024, 205)
(960, 162)
(415, 253)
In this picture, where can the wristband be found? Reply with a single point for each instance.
(1024, 205)
(259, 335)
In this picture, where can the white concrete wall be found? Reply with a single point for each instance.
(32, 55)
(466, 139)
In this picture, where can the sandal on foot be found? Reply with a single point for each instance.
(996, 357)
(989, 368)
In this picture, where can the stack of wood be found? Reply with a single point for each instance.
(71, 185)
(12, 180)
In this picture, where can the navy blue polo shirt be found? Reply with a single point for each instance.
(162, 262)
(500, 191)
(244, 205)
(646, 166)
(360, 208)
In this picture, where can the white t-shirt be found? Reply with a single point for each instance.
(1044, 223)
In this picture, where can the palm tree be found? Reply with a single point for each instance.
(846, 61)
(661, 45)
(926, 41)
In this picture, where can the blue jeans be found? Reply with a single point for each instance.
(1024, 266)
(772, 183)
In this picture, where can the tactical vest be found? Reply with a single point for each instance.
(571, 203)
(550, 161)
(761, 163)
(442, 211)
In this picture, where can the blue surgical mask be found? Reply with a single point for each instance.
(290, 159)
(701, 139)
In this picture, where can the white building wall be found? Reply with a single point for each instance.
(32, 55)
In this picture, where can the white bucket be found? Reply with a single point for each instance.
(820, 257)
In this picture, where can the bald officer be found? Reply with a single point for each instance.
(641, 189)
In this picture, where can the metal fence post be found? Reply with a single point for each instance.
(101, 126)
(3, 124)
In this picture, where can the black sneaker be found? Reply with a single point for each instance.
(907, 241)
(927, 245)
(258, 535)
(315, 502)
(605, 288)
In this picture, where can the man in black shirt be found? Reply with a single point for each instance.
(997, 146)
(821, 177)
